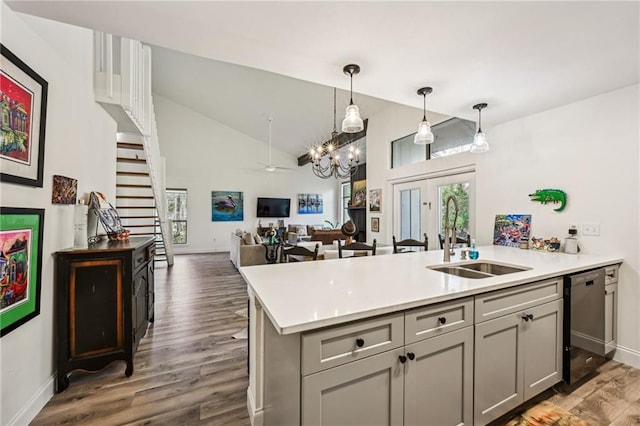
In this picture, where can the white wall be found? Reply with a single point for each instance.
(590, 149)
(204, 155)
(79, 143)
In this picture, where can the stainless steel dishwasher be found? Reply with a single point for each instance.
(584, 344)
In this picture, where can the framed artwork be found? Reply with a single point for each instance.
(23, 111)
(227, 206)
(20, 266)
(375, 224)
(65, 190)
(310, 203)
(375, 200)
(509, 229)
(359, 194)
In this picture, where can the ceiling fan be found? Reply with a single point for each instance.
(270, 167)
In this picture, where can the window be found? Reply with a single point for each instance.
(451, 137)
(177, 212)
(345, 190)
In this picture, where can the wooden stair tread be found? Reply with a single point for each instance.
(123, 173)
(137, 217)
(130, 160)
(136, 197)
(131, 185)
(135, 207)
(129, 145)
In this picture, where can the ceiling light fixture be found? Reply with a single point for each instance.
(325, 157)
(424, 135)
(480, 139)
(352, 122)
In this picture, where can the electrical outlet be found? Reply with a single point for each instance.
(591, 229)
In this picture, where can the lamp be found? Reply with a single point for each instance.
(325, 157)
(352, 122)
(480, 139)
(424, 135)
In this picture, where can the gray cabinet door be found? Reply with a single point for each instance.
(610, 316)
(542, 341)
(498, 367)
(364, 392)
(438, 387)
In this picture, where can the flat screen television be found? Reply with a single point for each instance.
(273, 207)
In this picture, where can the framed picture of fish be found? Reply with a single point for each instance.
(23, 111)
(65, 190)
(20, 266)
(509, 229)
(227, 206)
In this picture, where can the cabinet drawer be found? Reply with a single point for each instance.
(507, 301)
(339, 345)
(422, 323)
(611, 274)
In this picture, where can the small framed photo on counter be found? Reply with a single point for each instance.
(375, 224)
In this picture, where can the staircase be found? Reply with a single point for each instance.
(135, 196)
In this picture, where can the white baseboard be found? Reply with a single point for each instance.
(627, 356)
(30, 410)
(257, 418)
(178, 252)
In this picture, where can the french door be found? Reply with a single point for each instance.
(419, 207)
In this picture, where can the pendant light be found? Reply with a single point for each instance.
(424, 135)
(352, 122)
(480, 139)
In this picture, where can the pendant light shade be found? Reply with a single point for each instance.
(352, 122)
(480, 143)
(424, 136)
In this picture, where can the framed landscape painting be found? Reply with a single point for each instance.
(20, 266)
(23, 110)
(227, 206)
(310, 203)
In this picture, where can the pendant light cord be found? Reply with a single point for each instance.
(351, 90)
(479, 120)
(335, 130)
(270, 140)
(424, 108)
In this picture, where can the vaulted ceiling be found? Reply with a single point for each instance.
(520, 57)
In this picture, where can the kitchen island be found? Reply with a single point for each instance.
(331, 335)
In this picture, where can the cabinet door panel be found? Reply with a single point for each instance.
(542, 348)
(139, 305)
(365, 392)
(498, 368)
(95, 307)
(610, 316)
(439, 381)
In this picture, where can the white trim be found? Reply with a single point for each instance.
(30, 410)
(256, 417)
(434, 174)
(177, 251)
(627, 356)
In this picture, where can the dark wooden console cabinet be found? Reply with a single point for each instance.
(104, 300)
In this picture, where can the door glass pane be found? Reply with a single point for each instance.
(410, 214)
(460, 191)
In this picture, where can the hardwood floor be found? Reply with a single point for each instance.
(189, 370)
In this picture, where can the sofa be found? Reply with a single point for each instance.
(245, 250)
(327, 236)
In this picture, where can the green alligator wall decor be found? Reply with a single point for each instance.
(550, 195)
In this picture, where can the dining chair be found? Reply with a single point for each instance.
(459, 240)
(298, 251)
(410, 242)
(356, 247)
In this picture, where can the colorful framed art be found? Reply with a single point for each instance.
(23, 111)
(310, 203)
(509, 229)
(375, 200)
(20, 266)
(64, 191)
(227, 206)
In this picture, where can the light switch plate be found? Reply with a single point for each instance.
(592, 229)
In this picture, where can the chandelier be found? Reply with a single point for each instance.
(327, 160)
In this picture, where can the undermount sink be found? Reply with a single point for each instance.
(476, 270)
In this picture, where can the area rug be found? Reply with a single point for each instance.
(546, 414)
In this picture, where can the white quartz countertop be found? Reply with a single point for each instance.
(304, 296)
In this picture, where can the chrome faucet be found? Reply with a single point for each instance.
(449, 243)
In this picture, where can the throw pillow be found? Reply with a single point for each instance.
(248, 238)
(239, 232)
(257, 239)
(301, 231)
